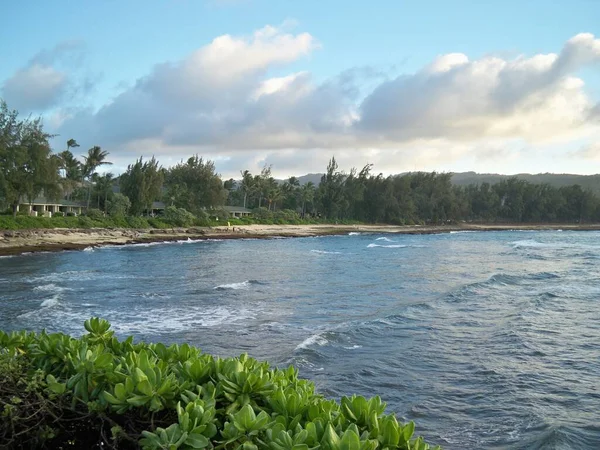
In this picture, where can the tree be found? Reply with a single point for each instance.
(27, 166)
(95, 158)
(307, 195)
(118, 206)
(194, 185)
(103, 189)
(246, 184)
(142, 183)
(330, 191)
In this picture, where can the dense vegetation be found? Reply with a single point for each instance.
(98, 392)
(194, 194)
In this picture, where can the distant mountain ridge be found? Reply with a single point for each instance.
(591, 182)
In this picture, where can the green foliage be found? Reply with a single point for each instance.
(118, 206)
(23, 222)
(94, 214)
(27, 167)
(194, 185)
(175, 397)
(142, 184)
(179, 217)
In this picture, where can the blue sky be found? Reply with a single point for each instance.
(385, 82)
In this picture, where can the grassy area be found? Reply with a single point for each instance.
(21, 222)
(98, 392)
(27, 222)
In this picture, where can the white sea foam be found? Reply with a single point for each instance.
(50, 302)
(69, 275)
(464, 231)
(236, 286)
(44, 307)
(323, 252)
(529, 243)
(354, 233)
(315, 339)
(167, 320)
(88, 249)
(51, 288)
(353, 347)
(384, 239)
(387, 246)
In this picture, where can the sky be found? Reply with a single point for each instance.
(490, 86)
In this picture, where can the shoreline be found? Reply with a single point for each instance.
(17, 242)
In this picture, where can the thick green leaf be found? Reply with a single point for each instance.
(196, 440)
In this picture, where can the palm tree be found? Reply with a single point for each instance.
(307, 194)
(67, 158)
(103, 187)
(95, 158)
(246, 184)
(275, 195)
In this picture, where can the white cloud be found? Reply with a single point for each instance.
(33, 88)
(46, 79)
(223, 99)
(534, 98)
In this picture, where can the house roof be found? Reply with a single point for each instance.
(44, 201)
(239, 209)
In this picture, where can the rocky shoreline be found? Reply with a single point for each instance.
(15, 242)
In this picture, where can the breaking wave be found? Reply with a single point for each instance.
(323, 252)
(237, 286)
(387, 246)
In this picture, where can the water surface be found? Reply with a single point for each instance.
(486, 340)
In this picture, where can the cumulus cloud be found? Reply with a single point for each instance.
(33, 88)
(224, 99)
(534, 97)
(45, 81)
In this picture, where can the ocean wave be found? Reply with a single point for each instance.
(529, 243)
(68, 275)
(464, 231)
(167, 320)
(315, 339)
(88, 249)
(324, 252)
(354, 233)
(237, 286)
(43, 307)
(51, 288)
(50, 302)
(387, 246)
(384, 239)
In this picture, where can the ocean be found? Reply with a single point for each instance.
(486, 340)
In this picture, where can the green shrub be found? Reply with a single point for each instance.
(119, 205)
(157, 223)
(94, 214)
(174, 397)
(137, 222)
(179, 217)
(85, 222)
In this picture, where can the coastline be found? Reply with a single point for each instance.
(16, 242)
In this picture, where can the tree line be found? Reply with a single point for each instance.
(29, 167)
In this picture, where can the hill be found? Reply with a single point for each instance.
(591, 182)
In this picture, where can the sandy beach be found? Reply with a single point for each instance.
(14, 242)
